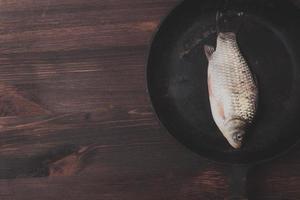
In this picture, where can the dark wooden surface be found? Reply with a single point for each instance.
(75, 119)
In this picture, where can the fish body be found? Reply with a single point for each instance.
(233, 92)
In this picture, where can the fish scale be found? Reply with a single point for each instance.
(233, 76)
(232, 87)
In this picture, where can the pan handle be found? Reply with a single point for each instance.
(238, 182)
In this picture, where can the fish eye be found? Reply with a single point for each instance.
(238, 137)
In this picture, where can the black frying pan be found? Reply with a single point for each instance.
(268, 37)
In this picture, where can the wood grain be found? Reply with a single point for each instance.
(75, 118)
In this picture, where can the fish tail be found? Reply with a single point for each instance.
(229, 17)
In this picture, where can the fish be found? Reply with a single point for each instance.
(232, 88)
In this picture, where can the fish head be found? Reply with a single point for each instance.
(235, 132)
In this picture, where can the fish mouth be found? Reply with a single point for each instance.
(236, 145)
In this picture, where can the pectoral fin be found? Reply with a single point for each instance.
(209, 50)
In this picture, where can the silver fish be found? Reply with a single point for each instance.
(233, 92)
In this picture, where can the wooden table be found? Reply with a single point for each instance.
(76, 121)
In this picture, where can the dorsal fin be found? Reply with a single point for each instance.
(209, 50)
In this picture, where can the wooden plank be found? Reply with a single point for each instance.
(75, 118)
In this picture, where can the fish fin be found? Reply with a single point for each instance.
(218, 112)
(255, 79)
(209, 50)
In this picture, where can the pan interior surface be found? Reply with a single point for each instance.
(177, 77)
